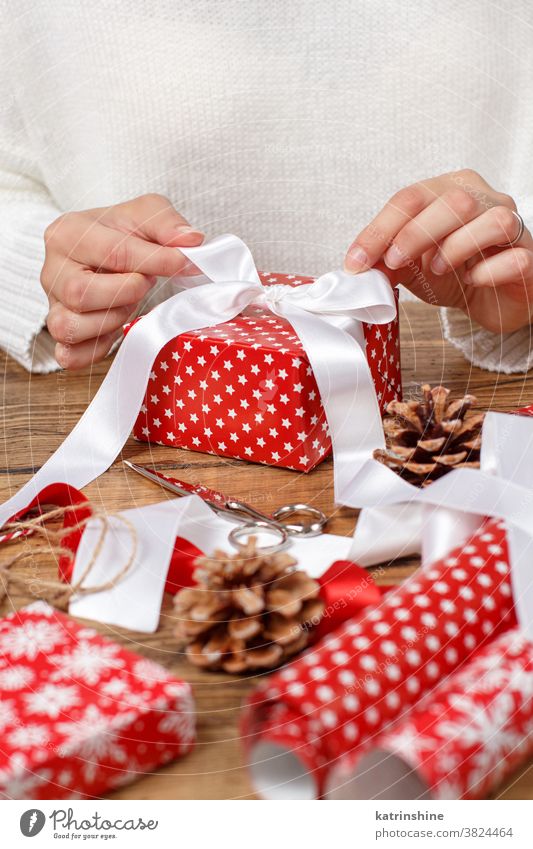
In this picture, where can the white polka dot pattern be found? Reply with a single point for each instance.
(375, 676)
(473, 731)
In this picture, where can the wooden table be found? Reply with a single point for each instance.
(38, 412)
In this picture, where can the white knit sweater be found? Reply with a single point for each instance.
(289, 123)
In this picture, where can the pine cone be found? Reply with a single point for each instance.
(249, 611)
(426, 439)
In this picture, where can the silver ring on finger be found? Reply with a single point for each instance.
(521, 228)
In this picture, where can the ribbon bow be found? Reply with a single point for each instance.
(327, 315)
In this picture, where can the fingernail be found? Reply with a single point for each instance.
(467, 277)
(395, 258)
(439, 264)
(186, 230)
(62, 354)
(152, 279)
(356, 259)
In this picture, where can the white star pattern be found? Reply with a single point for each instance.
(235, 350)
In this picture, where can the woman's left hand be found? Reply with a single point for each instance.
(448, 240)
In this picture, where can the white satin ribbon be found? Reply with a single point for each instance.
(503, 488)
(326, 315)
(134, 602)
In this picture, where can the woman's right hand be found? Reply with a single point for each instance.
(99, 265)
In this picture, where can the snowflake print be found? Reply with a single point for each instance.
(93, 738)
(18, 781)
(16, 677)
(115, 687)
(499, 676)
(150, 672)
(127, 700)
(8, 713)
(80, 711)
(29, 736)
(176, 689)
(30, 639)
(52, 700)
(88, 661)
(180, 722)
(450, 788)
(132, 773)
(412, 745)
(41, 609)
(477, 724)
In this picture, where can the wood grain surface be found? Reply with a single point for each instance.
(39, 410)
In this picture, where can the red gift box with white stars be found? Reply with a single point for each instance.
(244, 389)
(80, 715)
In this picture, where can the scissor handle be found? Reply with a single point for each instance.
(245, 512)
(252, 528)
(313, 528)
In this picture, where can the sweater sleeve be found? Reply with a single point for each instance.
(26, 208)
(504, 352)
(509, 353)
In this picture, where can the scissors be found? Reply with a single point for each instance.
(250, 519)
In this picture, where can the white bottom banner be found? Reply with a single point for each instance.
(311, 824)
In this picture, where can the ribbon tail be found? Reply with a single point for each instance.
(102, 431)
(342, 373)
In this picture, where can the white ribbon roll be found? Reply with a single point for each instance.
(326, 315)
(503, 488)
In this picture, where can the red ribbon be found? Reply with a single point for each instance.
(181, 569)
(60, 495)
(346, 589)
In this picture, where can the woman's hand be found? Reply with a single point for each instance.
(442, 239)
(101, 263)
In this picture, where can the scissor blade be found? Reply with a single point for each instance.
(179, 487)
(158, 478)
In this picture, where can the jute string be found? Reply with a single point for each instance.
(58, 592)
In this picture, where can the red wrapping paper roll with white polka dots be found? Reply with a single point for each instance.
(461, 742)
(359, 679)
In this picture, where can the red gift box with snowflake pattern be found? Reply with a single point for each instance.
(79, 715)
(244, 389)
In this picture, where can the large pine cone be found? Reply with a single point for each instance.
(428, 438)
(249, 611)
